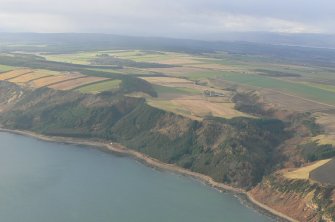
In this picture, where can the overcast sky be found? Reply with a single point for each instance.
(170, 18)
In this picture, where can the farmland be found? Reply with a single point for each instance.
(26, 78)
(51, 79)
(247, 71)
(14, 73)
(186, 98)
(304, 172)
(44, 82)
(4, 68)
(278, 82)
(75, 83)
(286, 86)
(325, 173)
(196, 107)
(100, 87)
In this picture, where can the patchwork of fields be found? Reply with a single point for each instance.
(181, 81)
(55, 80)
(292, 86)
(303, 81)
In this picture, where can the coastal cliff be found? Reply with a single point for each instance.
(241, 152)
(237, 151)
(300, 199)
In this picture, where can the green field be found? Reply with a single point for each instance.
(4, 68)
(163, 90)
(100, 87)
(323, 86)
(246, 68)
(82, 58)
(290, 87)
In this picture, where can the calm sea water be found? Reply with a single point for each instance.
(52, 182)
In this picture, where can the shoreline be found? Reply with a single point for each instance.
(151, 162)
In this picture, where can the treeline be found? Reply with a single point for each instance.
(249, 103)
(313, 151)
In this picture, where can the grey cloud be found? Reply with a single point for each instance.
(173, 18)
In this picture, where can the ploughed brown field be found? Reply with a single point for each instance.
(12, 74)
(325, 173)
(45, 78)
(30, 76)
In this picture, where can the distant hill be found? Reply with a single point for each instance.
(277, 47)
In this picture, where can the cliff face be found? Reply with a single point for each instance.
(299, 199)
(237, 151)
(9, 95)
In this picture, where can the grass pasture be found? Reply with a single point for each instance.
(4, 68)
(94, 88)
(169, 106)
(82, 58)
(166, 80)
(196, 107)
(201, 107)
(330, 88)
(305, 91)
(169, 58)
(172, 92)
(182, 71)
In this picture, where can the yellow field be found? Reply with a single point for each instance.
(23, 79)
(303, 173)
(75, 83)
(197, 107)
(14, 73)
(53, 80)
